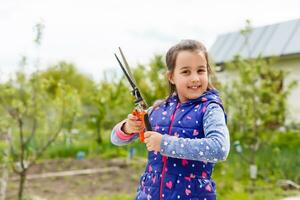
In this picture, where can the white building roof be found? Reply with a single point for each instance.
(281, 39)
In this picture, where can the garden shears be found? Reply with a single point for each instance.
(140, 104)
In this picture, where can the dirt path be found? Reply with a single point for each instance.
(124, 180)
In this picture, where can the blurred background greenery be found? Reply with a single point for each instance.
(60, 113)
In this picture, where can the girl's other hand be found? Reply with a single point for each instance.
(153, 140)
(132, 125)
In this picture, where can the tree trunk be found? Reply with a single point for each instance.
(99, 138)
(3, 181)
(255, 142)
(22, 184)
(4, 178)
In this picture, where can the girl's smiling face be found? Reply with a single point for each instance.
(190, 75)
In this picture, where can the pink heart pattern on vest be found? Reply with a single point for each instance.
(169, 184)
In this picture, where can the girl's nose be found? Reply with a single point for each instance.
(195, 78)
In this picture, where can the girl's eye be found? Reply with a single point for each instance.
(201, 70)
(185, 72)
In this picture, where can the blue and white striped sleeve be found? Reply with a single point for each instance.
(212, 148)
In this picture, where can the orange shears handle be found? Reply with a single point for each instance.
(141, 116)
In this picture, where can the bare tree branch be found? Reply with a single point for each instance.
(51, 140)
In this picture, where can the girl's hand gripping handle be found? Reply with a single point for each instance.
(143, 116)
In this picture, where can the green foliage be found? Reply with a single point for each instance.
(257, 99)
(152, 80)
(60, 95)
(256, 104)
(63, 100)
(256, 107)
(32, 113)
(35, 116)
(91, 148)
(232, 176)
(67, 74)
(283, 145)
(2, 147)
(111, 101)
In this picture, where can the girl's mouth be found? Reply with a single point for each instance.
(194, 87)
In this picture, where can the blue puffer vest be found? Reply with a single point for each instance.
(167, 178)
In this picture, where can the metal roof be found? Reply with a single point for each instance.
(279, 39)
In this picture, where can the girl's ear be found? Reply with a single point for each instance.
(170, 77)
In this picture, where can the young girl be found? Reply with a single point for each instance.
(189, 131)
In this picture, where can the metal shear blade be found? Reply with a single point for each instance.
(130, 78)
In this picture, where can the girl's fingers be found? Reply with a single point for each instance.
(138, 130)
(133, 123)
(147, 134)
(148, 146)
(138, 123)
(132, 127)
(133, 117)
(146, 140)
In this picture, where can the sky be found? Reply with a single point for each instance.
(88, 32)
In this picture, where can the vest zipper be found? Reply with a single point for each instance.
(165, 158)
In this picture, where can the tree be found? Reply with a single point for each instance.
(68, 74)
(4, 159)
(35, 117)
(84, 88)
(256, 100)
(151, 79)
(111, 102)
